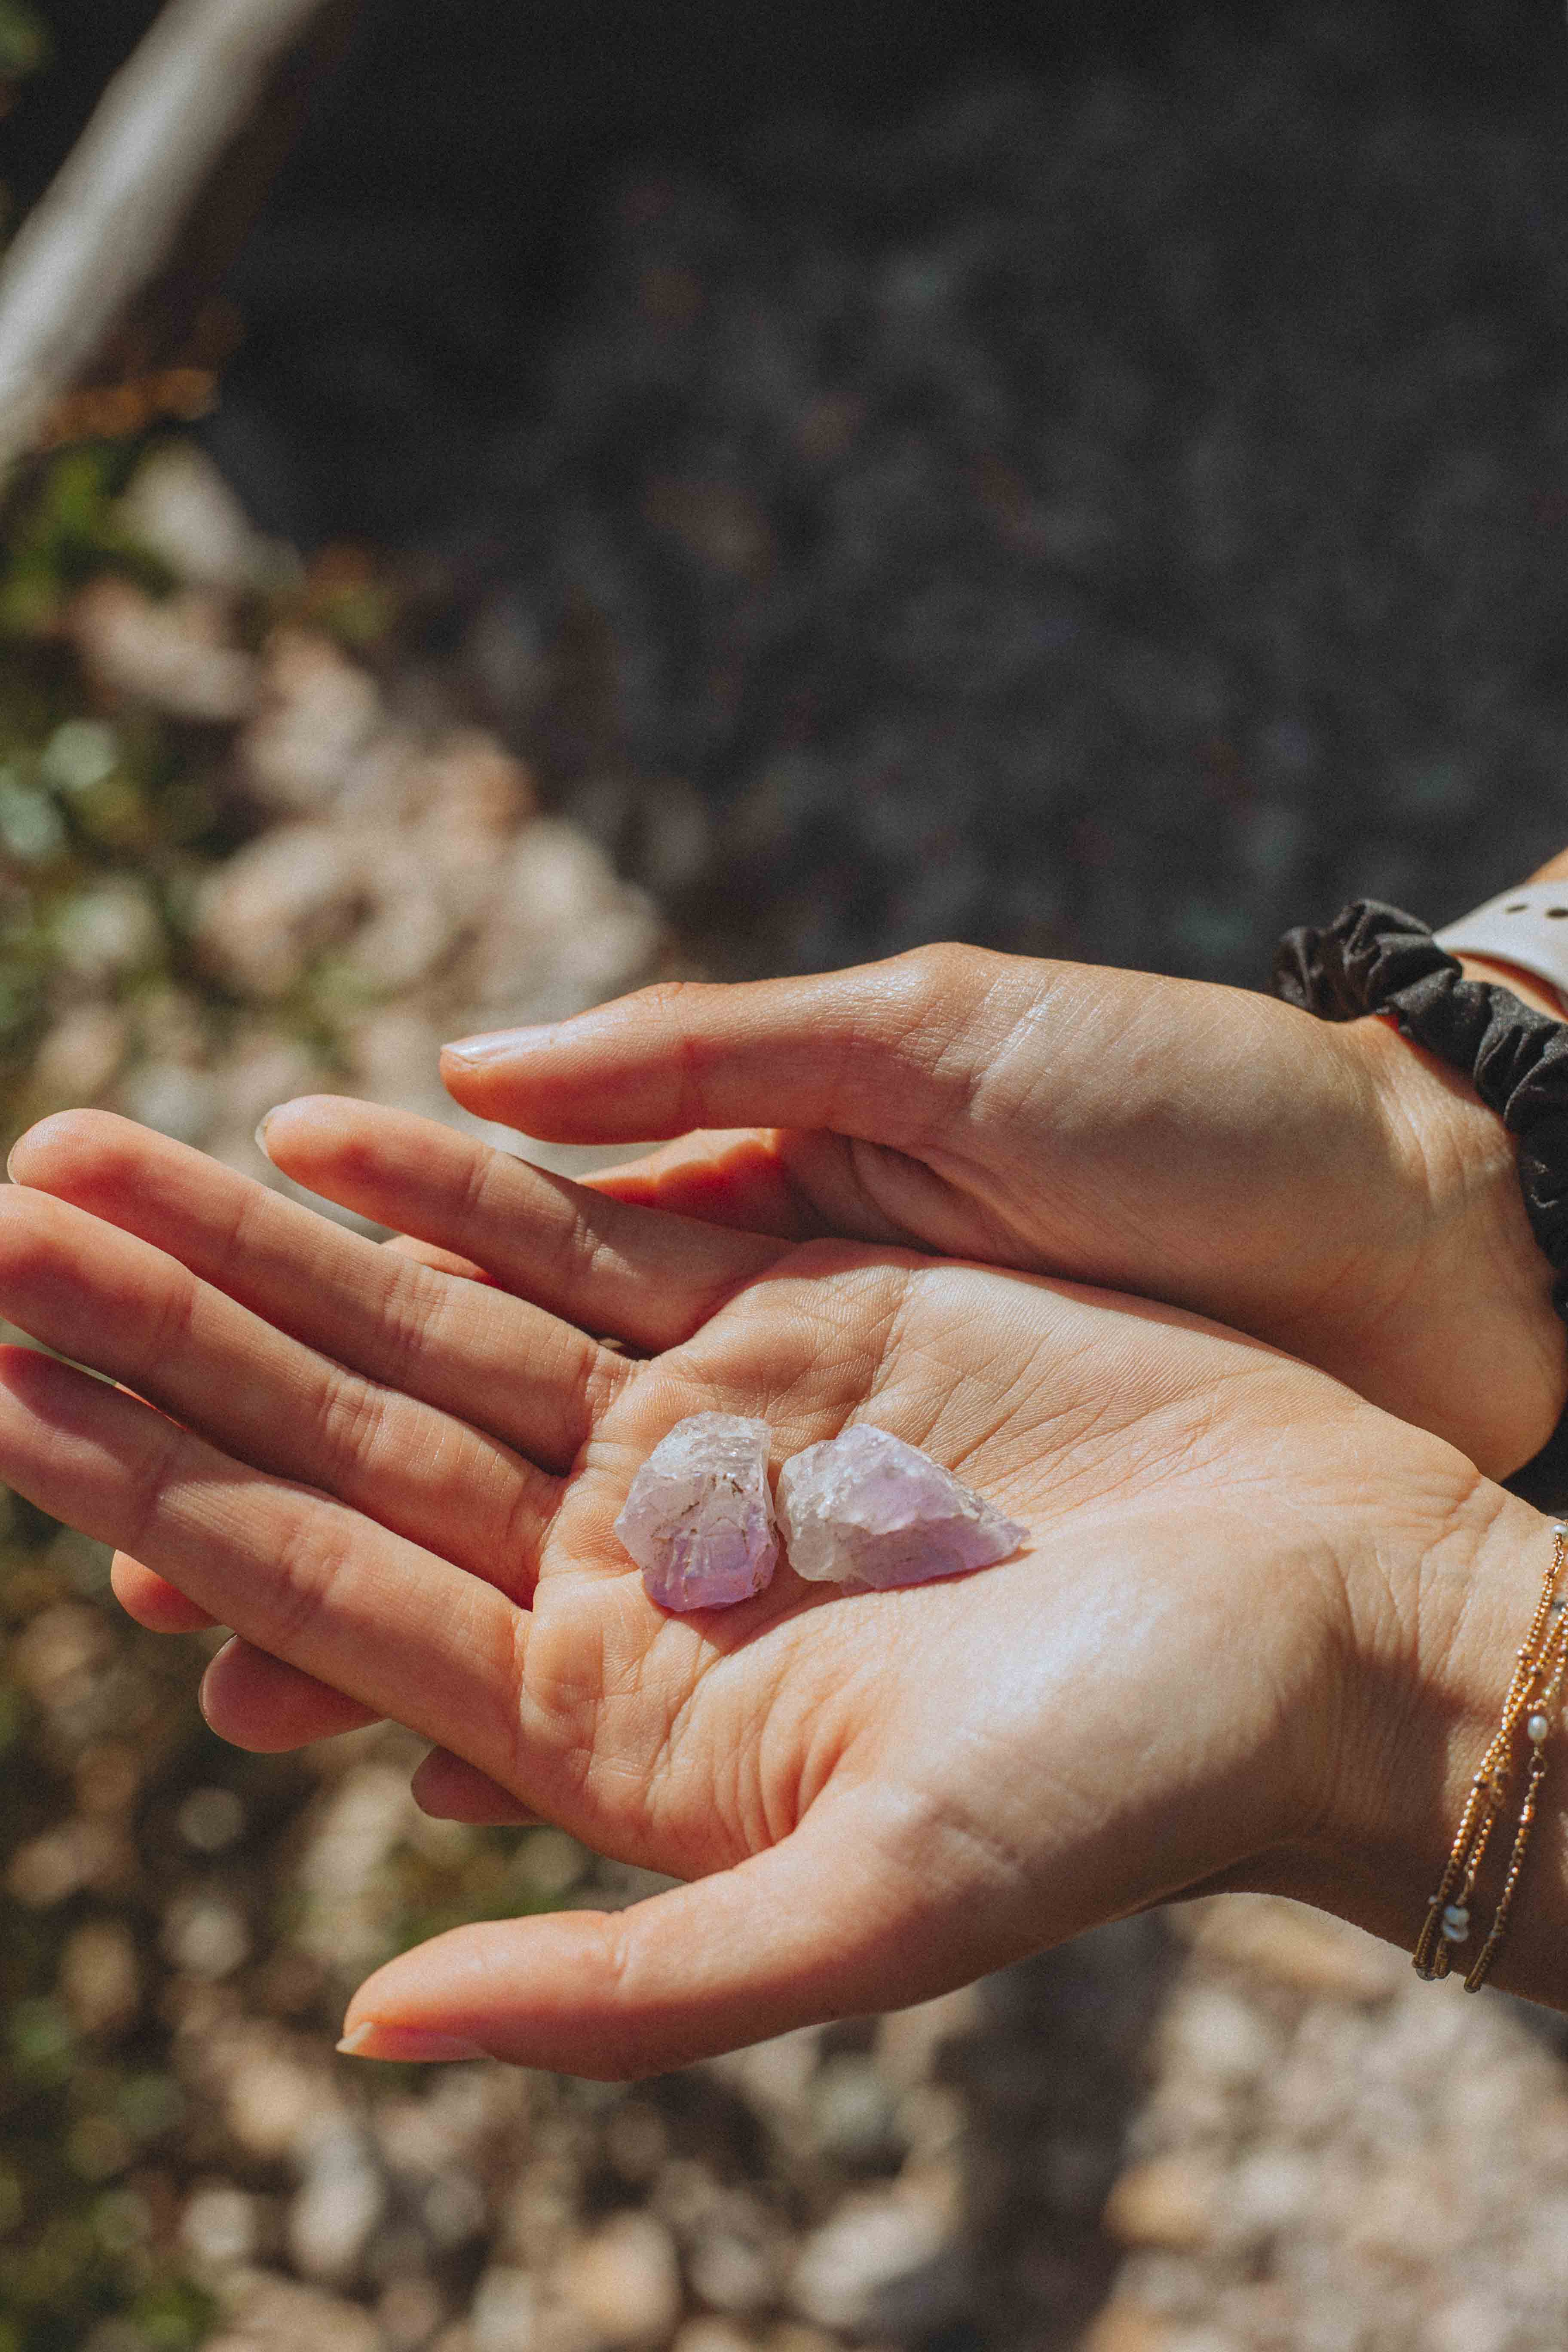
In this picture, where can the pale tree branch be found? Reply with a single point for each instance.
(101, 231)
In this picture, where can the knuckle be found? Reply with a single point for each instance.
(310, 1559)
(350, 1414)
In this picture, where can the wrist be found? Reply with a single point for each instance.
(1436, 1646)
(1462, 1235)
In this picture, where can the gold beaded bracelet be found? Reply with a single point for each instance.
(1533, 1695)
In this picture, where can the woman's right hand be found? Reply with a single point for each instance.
(1331, 1189)
(1258, 1636)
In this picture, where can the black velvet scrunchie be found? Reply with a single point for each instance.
(1375, 958)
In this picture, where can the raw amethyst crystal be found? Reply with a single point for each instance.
(866, 1508)
(699, 1520)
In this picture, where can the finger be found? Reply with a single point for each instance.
(440, 1261)
(249, 1699)
(885, 1052)
(152, 1600)
(454, 1345)
(649, 1280)
(105, 1297)
(450, 1790)
(257, 1702)
(722, 1176)
(297, 1574)
(806, 1931)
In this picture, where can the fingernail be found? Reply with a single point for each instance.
(262, 1124)
(410, 2045)
(9, 1157)
(498, 1044)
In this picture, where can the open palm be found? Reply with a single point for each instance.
(397, 1484)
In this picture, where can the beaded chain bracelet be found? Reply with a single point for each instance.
(1532, 1697)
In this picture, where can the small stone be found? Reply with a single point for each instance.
(218, 2225)
(624, 2281)
(699, 1520)
(866, 1508)
(1167, 2201)
(339, 2203)
(100, 1975)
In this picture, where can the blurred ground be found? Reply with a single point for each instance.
(1113, 516)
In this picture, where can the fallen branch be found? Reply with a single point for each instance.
(103, 228)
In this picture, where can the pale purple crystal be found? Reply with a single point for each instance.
(866, 1508)
(699, 1520)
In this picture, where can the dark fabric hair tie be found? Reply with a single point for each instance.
(1376, 959)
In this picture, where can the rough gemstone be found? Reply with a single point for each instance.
(699, 1520)
(866, 1508)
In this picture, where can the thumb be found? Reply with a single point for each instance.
(881, 1051)
(808, 1930)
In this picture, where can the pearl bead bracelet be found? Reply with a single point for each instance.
(1532, 1697)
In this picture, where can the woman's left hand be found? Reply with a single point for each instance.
(397, 1484)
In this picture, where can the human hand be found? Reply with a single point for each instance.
(1330, 1188)
(1244, 1588)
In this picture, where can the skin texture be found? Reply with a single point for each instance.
(394, 1472)
(1329, 1189)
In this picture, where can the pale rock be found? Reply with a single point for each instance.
(169, 1097)
(352, 1835)
(394, 1056)
(699, 1519)
(909, 2040)
(775, 2077)
(104, 933)
(339, 2203)
(81, 1054)
(624, 2281)
(408, 931)
(277, 903)
(733, 2268)
(505, 2315)
(1271, 2190)
(211, 1820)
(271, 2102)
(60, 1861)
(636, 2140)
(560, 932)
(474, 791)
(81, 754)
(453, 2209)
(1299, 1947)
(57, 1652)
(853, 2110)
(218, 2225)
(867, 1509)
(205, 1935)
(175, 655)
(1167, 2201)
(318, 712)
(707, 2334)
(1127, 2326)
(1218, 2037)
(278, 2314)
(1473, 2322)
(410, 2311)
(882, 2262)
(100, 1979)
(180, 507)
(262, 1068)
